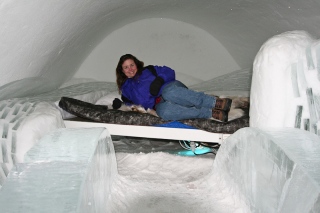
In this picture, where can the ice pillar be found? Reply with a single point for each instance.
(285, 90)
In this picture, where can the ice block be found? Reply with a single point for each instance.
(68, 170)
(275, 170)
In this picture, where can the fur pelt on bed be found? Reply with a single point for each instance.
(102, 114)
(239, 107)
(237, 110)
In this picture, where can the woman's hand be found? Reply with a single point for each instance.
(116, 104)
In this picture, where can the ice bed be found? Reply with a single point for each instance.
(130, 123)
(152, 131)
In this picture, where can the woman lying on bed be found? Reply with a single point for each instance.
(155, 87)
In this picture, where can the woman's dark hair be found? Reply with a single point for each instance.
(121, 77)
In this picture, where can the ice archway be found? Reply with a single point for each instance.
(43, 44)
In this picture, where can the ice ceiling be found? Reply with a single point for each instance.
(43, 43)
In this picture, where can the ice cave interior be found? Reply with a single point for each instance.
(268, 51)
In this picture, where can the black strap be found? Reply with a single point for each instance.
(152, 70)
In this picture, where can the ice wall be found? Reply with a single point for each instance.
(69, 170)
(285, 90)
(237, 83)
(22, 124)
(164, 38)
(275, 170)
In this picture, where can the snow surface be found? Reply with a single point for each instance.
(153, 178)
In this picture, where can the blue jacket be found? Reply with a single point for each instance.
(136, 89)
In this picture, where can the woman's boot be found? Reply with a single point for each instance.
(220, 115)
(223, 104)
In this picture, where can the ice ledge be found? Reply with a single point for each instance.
(275, 170)
(69, 170)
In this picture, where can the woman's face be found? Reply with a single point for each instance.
(129, 68)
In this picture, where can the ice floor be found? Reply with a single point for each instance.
(154, 178)
(254, 171)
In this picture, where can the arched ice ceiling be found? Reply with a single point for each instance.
(43, 43)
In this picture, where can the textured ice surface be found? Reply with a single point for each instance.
(275, 170)
(285, 90)
(23, 121)
(69, 170)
